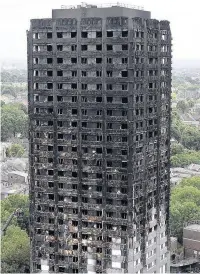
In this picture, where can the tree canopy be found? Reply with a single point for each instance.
(13, 202)
(15, 150)
(194, 182)
(185, 158)
(176, 149)
(186, 135)
(15, 247)
(14, 76)
(182, 106)
(13, 120)
(15, 251)
(184, 205)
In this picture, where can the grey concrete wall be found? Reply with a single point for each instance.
(78, 25)
(173, 245)
(190, 244)
(191, 234)
(16, 179)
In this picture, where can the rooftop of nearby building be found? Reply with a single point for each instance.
(20, 173)
(185, 262)
(194, 227)
(178, 173)
(9, 191)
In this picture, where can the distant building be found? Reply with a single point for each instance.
(191, 240)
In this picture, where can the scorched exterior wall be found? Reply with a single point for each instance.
(99, 109)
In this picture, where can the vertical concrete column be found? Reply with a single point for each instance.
(55, 140)
(31, 146)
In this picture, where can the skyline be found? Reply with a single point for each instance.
(185, 43)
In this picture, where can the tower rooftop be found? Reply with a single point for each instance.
(103, 10)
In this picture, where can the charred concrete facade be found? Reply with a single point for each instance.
(99, 106)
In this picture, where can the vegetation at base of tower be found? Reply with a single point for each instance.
(176, 149)
(187, 150)
(14, 120)
(181, 157)
(182, 106)
(2, 103)
(185, 158)
(15, 251)
(184, 205)
(15, 150)
(10, 204)
(15, 246)
(186, 135)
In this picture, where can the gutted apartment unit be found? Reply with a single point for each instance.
(99, 106)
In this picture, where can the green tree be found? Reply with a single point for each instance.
(13, 121)
(176, 149)
(176, 126)
(174, 96)
(15, 150)
(186, 194)
(15, 243)
(23, 108)
(182, 106)
(15, 251)
(10, 204)
(191, 103)
(185, 158)
(188, 136)
(2, 103)
(191, 138)
(184, 205)
(194, 182)
(181, 213)
(8, 90)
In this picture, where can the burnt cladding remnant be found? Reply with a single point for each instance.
(99, 106)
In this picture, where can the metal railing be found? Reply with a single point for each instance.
(194, 222)
(107, 5)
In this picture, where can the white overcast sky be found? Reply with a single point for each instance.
(184, 16)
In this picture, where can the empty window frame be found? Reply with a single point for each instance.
(109, 33)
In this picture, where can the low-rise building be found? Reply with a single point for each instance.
(7, 191)
(17, 183)
(179, 173)
(17, 177)
(191, 240)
